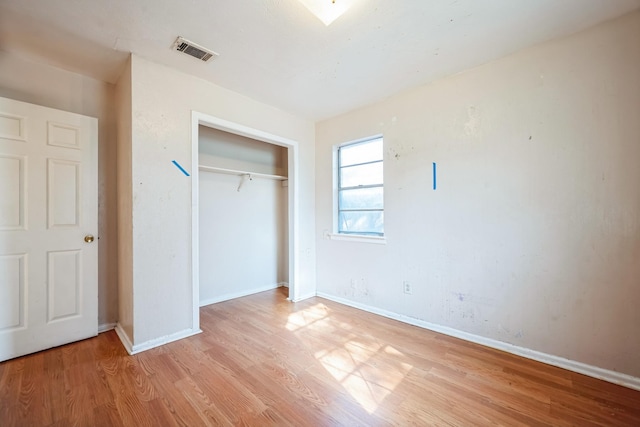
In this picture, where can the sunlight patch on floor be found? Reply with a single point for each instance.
(307, 317)
(368, 376)
(368, 370)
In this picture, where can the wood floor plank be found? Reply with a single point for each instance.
(206, 408)
(133, 411)
(177, 404)
(11, 382)
(160, 414)
(265, 361)
(232, 396)
(107, 416)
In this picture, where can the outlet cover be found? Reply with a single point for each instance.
(406, 287)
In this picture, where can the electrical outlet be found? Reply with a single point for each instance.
(406, 287)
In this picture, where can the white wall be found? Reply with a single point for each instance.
(533, 235)
(242, 245)
(243, 239)
(52, 87)
(162, 102)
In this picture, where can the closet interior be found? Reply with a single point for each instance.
(243, 209)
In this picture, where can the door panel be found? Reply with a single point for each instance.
(62, 135)
(48, 204)
(64, 284)
(64, 193)
(12, 127)
(12, 189)
(12, 271)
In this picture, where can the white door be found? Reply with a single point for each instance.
(48, 220)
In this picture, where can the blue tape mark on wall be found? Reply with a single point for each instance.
(180, 167)
(434, 175)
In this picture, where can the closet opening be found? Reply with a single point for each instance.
(244, 212)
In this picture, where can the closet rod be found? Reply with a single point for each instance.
(241, 173)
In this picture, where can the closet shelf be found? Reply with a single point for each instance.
(241, 173)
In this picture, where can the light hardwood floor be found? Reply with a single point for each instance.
(265, 361)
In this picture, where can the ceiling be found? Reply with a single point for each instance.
(279, 53)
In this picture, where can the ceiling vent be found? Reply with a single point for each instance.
(192, 49)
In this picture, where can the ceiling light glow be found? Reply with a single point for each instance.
(327, 10)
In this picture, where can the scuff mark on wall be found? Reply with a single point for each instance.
(475, 299)
(398, 150)
(469, 314)
(510, 334)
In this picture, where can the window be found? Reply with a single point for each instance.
(360, 188)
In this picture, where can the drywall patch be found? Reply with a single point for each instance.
(473, 125)
(469, 123)
(357, 289)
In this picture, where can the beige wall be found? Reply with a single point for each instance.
(533, 235)
(125, 189)
(56, 88)
(162, 102)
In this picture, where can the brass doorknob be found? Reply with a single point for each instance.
(88, 238)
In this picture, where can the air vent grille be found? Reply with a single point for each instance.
(193, 49)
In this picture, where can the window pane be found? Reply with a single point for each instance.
(354, 176)
(361, 222)
(361, 153)
(362, 198)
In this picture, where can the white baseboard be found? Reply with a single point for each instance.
(156, 342)
(571, 365)
(304, 297)
(234, 295)
(124, 338)
(106, 327)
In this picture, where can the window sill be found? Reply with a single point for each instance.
(378, 240)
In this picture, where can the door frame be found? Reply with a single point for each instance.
(198, 119)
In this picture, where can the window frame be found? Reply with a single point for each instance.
(338, 234)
